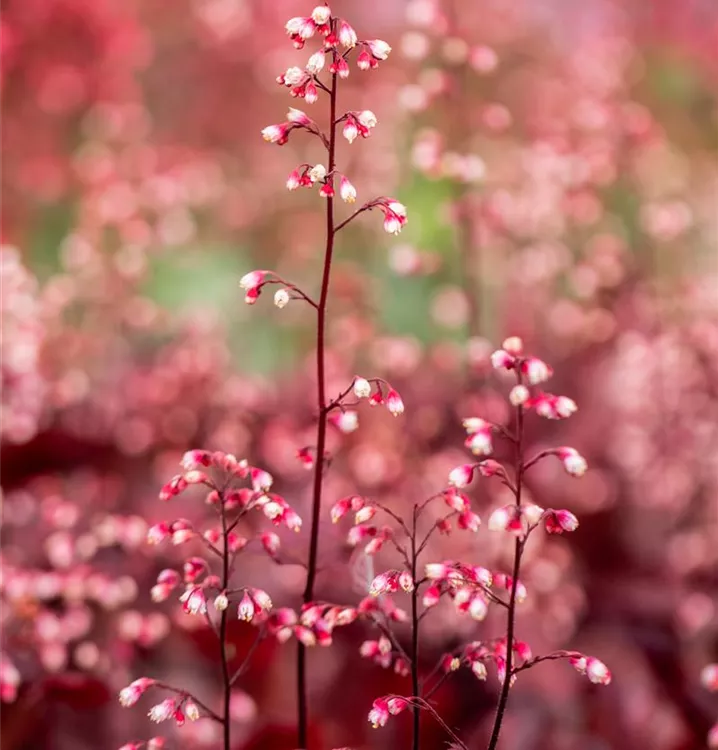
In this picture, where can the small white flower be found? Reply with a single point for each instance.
(317, 172)
(316, 62)
(519, 395)
(321, 15)
(293, 76)
(362, 388)
(281, 298)
(367, 118)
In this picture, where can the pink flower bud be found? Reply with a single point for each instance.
(365, 514)
(158, 533)
(346, 35)
(461, 475)
(194, 601)
(316, 62)
(469, 521)
(252, 279)
(396, 705)
(340, 509)
(536, 370)
(709, 677)
(519, 395)
(321, 15)
(346, 421)
(502, 360)
(394, 403)
(134, 691)
(379, 49)
(298, 117)
(261, 599)
(261, 480)
(558, 521)
(431, 596)
(271, 543)
(437, 571)
(294, 180)
(275, 134)
(379, 714)
(221, 602)
(347, 191)
(301, 27)
(597, 672)
(364, 60)
(573, 462)
(456, 500)
(350, 130)
(311, 93)
(340, 66)
(245, 611)
(162, 711)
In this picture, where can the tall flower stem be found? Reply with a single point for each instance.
(415, 636)
(226, 678)
(302, 707)
(511, 616)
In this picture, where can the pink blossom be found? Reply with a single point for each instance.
(379, 49)
(394, 403)
(461, 476)
(134, 691)
(162, 711)
(379, 714)
(558, 521)
(347, 191)
(709, 677)
(346, 35)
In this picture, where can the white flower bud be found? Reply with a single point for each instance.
(281, 298)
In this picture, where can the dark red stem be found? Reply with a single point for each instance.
(226, 678)
(511, 616)
(415, 635)
(302, 707)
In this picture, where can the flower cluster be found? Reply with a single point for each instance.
(471, 589)
(339, 40)
(232, 488)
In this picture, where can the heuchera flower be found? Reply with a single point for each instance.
(596, 671)
(479, 440)
(134, 691)
(573, 462)
(558, 521)
(163, 711)
(379, 714)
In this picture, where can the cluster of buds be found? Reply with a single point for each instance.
(358, 124)
(382, 653)
(596, 671)
(467, 586)
(394, 214)
(218, 472)
(308, 175)
(521, 520)
(533, 371)
(479, 439)
(296, 120)
(313, 626)
(180, 710)
(379, 393)
(383, 708)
